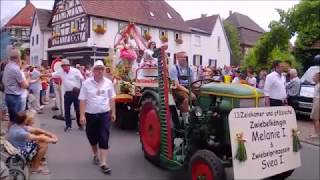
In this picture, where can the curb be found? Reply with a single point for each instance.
(311, 143)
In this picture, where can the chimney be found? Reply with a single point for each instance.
(27, 2)
(230, 12)
(204, 15)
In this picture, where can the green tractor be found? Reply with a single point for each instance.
(202, 143)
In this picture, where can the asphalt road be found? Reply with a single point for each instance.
(71, 158)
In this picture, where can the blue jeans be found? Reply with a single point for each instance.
(70, 98)
(14, 104)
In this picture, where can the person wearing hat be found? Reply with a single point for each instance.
(97, 110)
(182, 75)
(71, 81)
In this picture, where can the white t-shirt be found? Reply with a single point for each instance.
(252, 81)
(24, 92)
(70, 80)
(97, 96)
(275, 86)
(236, 80)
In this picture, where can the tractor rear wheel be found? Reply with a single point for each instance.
(205, 165)
(150, 130)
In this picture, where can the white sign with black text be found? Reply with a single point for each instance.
(267, 135)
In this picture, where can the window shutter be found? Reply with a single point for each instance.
(194, 60)
(200, 60)
(174, 59)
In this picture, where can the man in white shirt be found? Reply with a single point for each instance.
(71, 81)
(97, 109)
(275, 86)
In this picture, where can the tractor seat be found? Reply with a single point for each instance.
(123, 98)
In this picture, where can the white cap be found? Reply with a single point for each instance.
(98, 63)
(65, 62)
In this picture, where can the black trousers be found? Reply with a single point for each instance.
(276, 102)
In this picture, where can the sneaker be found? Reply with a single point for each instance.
(105, 169)
(95, 160)
(67, 129)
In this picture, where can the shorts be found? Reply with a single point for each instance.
(98, 129)
(29, 151)
(180, 95)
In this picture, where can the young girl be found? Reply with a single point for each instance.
(315, 114)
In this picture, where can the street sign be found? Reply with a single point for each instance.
(264, 141)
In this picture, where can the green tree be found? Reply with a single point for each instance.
(271, 46)
(304, 21)
(234, 41)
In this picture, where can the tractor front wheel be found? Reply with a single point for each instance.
(205, 165)
(150, 130)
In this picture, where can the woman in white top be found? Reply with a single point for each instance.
(315, 114)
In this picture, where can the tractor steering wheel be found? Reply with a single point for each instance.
(196, 85)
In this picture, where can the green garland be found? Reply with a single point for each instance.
(295, 140)
(241, 151)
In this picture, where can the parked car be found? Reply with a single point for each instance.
(303, 103)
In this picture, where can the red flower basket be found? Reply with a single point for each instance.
(164, 38)
(147, 37)
(99, 29)
(179, 41)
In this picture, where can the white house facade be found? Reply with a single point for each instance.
(209, 43)
(39, 36)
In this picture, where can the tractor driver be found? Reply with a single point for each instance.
(181, 74)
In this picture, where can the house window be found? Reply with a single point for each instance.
(122, 26)
(197, 40)
(37, 39)
(197, 60)
(12, 32)
(177, 35)
(219, 43)
(163, 33)
(212, 62)
(32, 41)
(169, 16)
(151, 14)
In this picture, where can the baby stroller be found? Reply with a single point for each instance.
(14, 162)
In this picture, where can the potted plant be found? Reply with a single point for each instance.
(179, 41)
(164, 38)
(99, 29)
(147, 36)
(74, 29)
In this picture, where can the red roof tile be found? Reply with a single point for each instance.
(204, 23)
(138, 10)
(23, 17)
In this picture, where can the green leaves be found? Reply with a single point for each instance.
(234, 41)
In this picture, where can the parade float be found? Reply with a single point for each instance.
(228, 126)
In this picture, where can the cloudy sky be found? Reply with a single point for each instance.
(262, 12)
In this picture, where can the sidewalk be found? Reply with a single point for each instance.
(306, 128)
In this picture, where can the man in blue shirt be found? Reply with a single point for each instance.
(181, 75)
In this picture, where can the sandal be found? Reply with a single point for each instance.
(41, 171)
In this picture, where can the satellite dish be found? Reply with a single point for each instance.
(56, 64)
